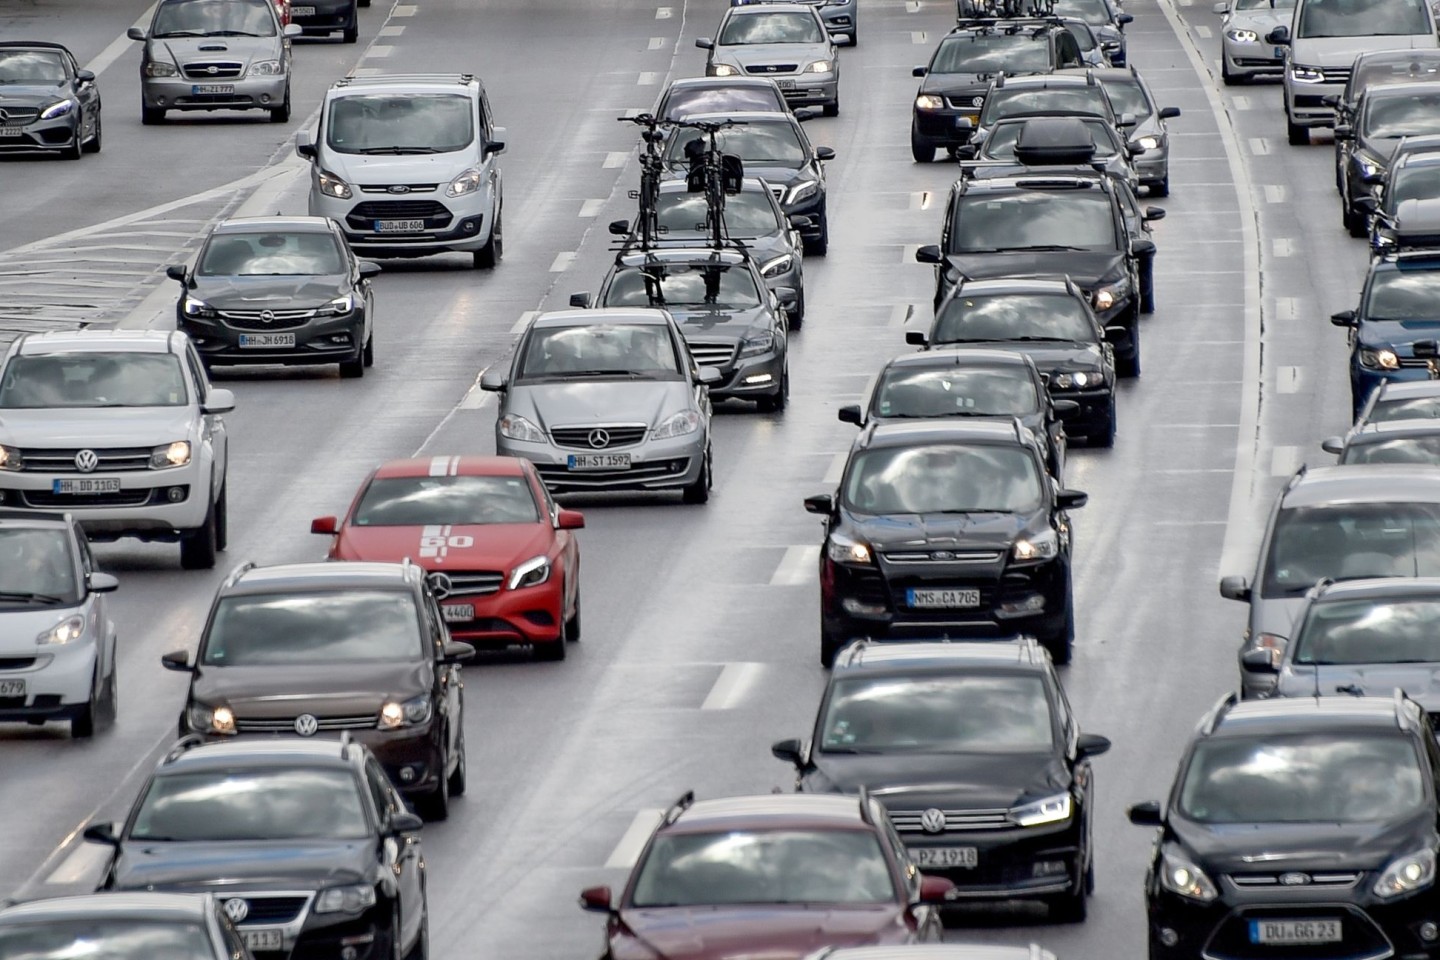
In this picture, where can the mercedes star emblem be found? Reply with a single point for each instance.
(236, 909)
(933, 820)
(267, 316)
(306, 725)
(3, 117)
(599, 438)
(440, 585)
(86, 461)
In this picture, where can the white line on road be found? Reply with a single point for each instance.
(1284, 461)
(1282, 247)
(833, 475)
(405, 10)
(656, 43)
(1289, 379)
(1203, 32)
(524, 321)
(391, 31)
(379, 50)
(648, 79)
(626, 852)
(562, 261)
(1274, 193)
(921, 200)
(591, 208)
(1287, 308)
(87, 859)
(1259, 146)
(732, 685)
(615, 159)
(918, 37)
(664, 13)
(1242, 102)
(912, 6)
(797, 567)
(117, 47)
(900, 314)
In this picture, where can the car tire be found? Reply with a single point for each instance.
(781, 400)
(795, 319)
(433, 806)
(222, 519)
(351, 34)
(490, 255)
(281, 114)
(1071, 906)
(1354, 222)
(93, 144)
(150, 116)
(1104, 438)
(1129, 367)
(699, 491)
(77, 147)
(458, 778)
(1147, 286)
(197, 547)
(1161, 187)
(98, 711)
(820, 245)
(353, 369)
(550, 652)
(367, 356)
(421, 949)
(921, 152)
(572, 623)
(1297, 135)
(831, 109)
(1062, 646)
(830, 646)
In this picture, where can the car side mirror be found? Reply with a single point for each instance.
(917, 338)
(804, 113)
(791, 751)
(325, 526)
(1280, 35)
(293, 30)
(1064, 408)
(824, 153)
(1169, 113)
(101, 582)
(851, 413)
(405, 822)
(493, 381)
(918, 71)
(1091, 745)
(595, 899)
(710, 376)
(1222, 7)
(801, 221)
(304, 146)
(496, 144)
(705, 43)
(821, 503)
(787, 297)
(218, 400)
(1134, 149)
(1154, 213)
(1235, 588)
(1125, 18)
(1343, 131)
(1345, 318)
(619, 228)
(1142, 247)
(1259, 660)
(369, 268)
(85, 76)
(934, 890)
(177, 271)
(569, 519)
(1071, 499)
(457, 652)
(929, 253)
(581, 300)
(1146, 814)
(1117, 335)
(135, 33)
(1335, 445)
(102, 833)
(1126, 120)
(840, 40)
(177, 660)
(964, 125)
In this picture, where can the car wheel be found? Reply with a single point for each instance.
(77, 146)
(1161, 187)
(353, 369)
(552, 652)
(109, 706)
(197, 548)
(699, 491)
(572, 623)
(1062, 645)
(488, 256)
(352, 32)
(421, 950)
(83, 723)
(281, 114)
(1228, 78)
(1105, 436)
(1297, 135)
(831, 109)
(1147, 286)
(829, 646)
(149, 116)
(1071, 906)
(93, 145)
(433, 806)
(457, 779)
(821, 244)
(222, 519)
(1354, 221)
(795, 319)
(781, 400)
(922, 152)
(1129, 366)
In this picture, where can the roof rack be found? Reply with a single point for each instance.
(464, 79)
(234, 575)
(865, 814)
(686, 801)
(182, 746)
(1222, 706)
(1296, 477)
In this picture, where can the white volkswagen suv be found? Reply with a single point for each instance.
(122, 430)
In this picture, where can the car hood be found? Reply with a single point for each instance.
(1420, 681)
(352, 689)
(32, 94)
(757, 931)
(494, 546)
(777, 175)
(1341, 51)
(749, 54)
(262, 293)
(915, 781)
(185, 49)
(22, 624)
(1281, 847)
(578, 403)
(62, 428)
(384, 169)
(1399, 334)
(931, 529)
(724, 322)
(1276, 615)
(1261, 21)
(251, 864)
(1086, 267)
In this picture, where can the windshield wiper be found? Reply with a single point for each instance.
(1032, 339)
(632, 374)
(1039, 246)
(181, 33)
(233, 33)
(30, 597)
(398, 150)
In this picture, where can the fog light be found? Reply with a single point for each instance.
(159, 101)
(470, 226)
(861, 608)
(1169, 937)
(341, 338)
(348, 953)
(1048, 868)
(1034, 603)
(677, 466)
(758, 379)
(407, 774)
(175, 494)
(357, 940)
(1428, 930)
(265, 98)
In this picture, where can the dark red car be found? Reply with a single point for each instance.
(778, 875)
(501, 555)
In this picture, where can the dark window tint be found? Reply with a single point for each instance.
(1402, 295)
(1014, 316)
(93, 379)
(31, 67)
(1348, 541)
(1079, 98)
(1392, 117)
(271, 254)
(686, 101)
(459, 501)
(1395, 450)
(683, 285)
(772, 28)
(955, 391)
(252, 804)
(334, 626)
(205, 18)
(990, 53)
(776, 143)
(1051, 220)
(944, 478)
(104, 938)
(1370, 631)
(684, 216)
(973, 713)
(1361, 18)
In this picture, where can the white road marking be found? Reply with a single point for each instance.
(379, 50)
(86, 859)
(562, 261)
(626, 852)
(912, 6)
(921, 200)
(664, 13)
(1282, 247)
(918, 37)
(524, 321)
(900, 314)
(1259, 146)
(1189, 523)
(476, 399)
(117, 47)
(648, 79)
(1284, 461)
(615, 159)
(732, 685)
(656, 43)
(1289, 379)
(405, 10)
(1242, 102)
(631, 113)
(366, 72)
(797, 567)
(391, 31)
(833, 475)
(1287, 308)
(1274, 193)
(1204, 33)
(591, 208)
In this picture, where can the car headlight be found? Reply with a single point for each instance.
(754, 346)
(820, 66)
(516, 427)
(338, 307)
(1112, 293)
(771, 269)
(1368, 168)
(467, 182)
(10, 459)
(66, 631)
(1054, 809)
(158, 68)
(1303, 74)
(1149, 143)
(266, 68)
(1045, 546)
(198, 309)
(1379, 358)
(928, 101)
(413, 712)
(802, 190)
(681, 424)
(351, 899)
(175, 454)
(203, 719)
(57, 110)
(1243, 36)
(843, 549)
(1079, 379)
(1409, 873)
(721, 70)
(531, 573)
(333, 186)
(1179, 875)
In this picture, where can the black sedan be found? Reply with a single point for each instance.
(48, 102)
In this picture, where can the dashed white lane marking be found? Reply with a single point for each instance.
(1259, 146)
(562, 261)
(1289, 379)
(833, 475)
(648, 79)
(664, 13)
(1203, 32)
(630, 113)
(1242, 102)
(379, 50)
(591, 208)
(86, 860)
(626, 852)
(1274, 193)
(656, 43)
(615, 159)
(918, 37)
(732, 685)
(907, 252)
(476, 399)
(405, 10)
(1287, 308)
(1284, 461)
(912, 6)
(922, 200)
(524, 321)
(1282, 247)
(900, 314)
(117, 47)
(391, 31)
(797, 567)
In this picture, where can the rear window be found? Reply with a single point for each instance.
(1361, 18)
(104, 938)
(1350, 541)
(1395, 450)
(692, 100)
(1056, 220)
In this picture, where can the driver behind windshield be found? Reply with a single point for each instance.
(245, 18)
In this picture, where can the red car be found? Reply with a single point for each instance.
(776, 876)
(501, 556)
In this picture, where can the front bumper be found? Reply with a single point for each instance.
(450, 223)
(750, 378)
(1305, 102)
(151, 504)
(528, 615)
(178, 93)
(1251, 59)
(323, 340)
(800, 91)
(307, 935)
(1096, 406)
(328, 17)
(1010, 864)
(57, 680)
(938, 128)
(654, 465)
(1153, 166)
(41, 134)
(412, 756)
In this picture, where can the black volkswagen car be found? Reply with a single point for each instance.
(946, 529)
(1304, 827)
(977, 757)
(48, 102)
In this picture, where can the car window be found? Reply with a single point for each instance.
(1347, 541)
(944, 478)
(683, 285)
(1073, 219)
(398, 124)
(1412, 183)
(330, 626)
(958, 713)
(1127, 96)
(759, 143)
(990, 53)
(39, 568)
(771, 28)
(685, 216)
(954, 390)
(687, 101)
(1413, 408)
(1071, 98)
(32, 67)
(113, 938)
(456, 501)
(1392, 117)
(271, 254)
(1395, 295)
(93, 379)
(1361, 18)
(1013, 316)
(269, 803)
(208, 18)
(1424, 450)
(1397, 630)
(197, 372)
(381, 792)
(600, 349)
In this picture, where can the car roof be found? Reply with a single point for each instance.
(1072, 79)
(747, 185)
(769, 7)
(1114, 74)
(890, 656)
(258, 752)
(769, 810)
(1377, 91)
(1395, 429)
(141, 904)
(1379, 588)
(1408, 389)
(462, 466)
(1029, 24)
(318, 574)
(749, 116)
(721, 82)
(1303, 714)
(944, 430)
(960, 357)
(1039, 180)
(1015, 285)
(1365, 483)
(1425, 156)
(583, 318)
(295, 224)
(410, 82)
(937, 951)
(32, 518)
(32, 45)
(691, 255)
(1399, 56)
(97, 341)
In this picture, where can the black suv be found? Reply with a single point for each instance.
(1046, 225)
(283, 653)
(974, 752)
(960, 70)
(946, 529)
(306, 842)
(1299, 828)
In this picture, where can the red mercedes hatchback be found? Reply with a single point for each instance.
(501, 556)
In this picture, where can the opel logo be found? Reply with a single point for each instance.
(440, 585)
(399, 188)
(933, 820)
(236, 909)
(212, 69)
(1294, 879)
(942, 555)
(86, 461)
(306, 725)
(267, 316)
(599, 438)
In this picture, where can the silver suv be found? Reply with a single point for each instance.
(120, 429)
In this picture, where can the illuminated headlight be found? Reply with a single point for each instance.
(65, 631)
(928, 101)
(57, 110)
(777, 267)
(1243, 36)
(721, 70)
(755, 346)
(467, 182)
(266, 68)
(531, 573)
(412, 712)
(1179, 875)
(1368, 168)
(175, 454)
(1303, 74)
(820, 66)
(203, 719)
(1107, 296)
(338, 307)
(10, 459)
(156, 68)
(1149, 143)
(842, 549)
(198, 309)
(1407, 874)
(802, 191)
(1046, 546)
(1079, 379)
(515, 427)
(681, 424)
(333, 186)
(1054, 809)
(1381, 358)
(350, 899)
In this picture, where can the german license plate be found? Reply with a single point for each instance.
(12, 688)
(11, 131)
(263, 939)
(458, 612)
(263, 340)
(86, 485)
(599, 461)
(942, 599)
(302, 11)
(200, 88)
(1295, 931)
(786, 84)
(971, 117)
(399, 226)
(964, 857)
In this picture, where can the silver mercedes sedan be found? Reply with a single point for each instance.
(604, 400)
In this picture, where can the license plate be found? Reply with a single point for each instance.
(12, 131)
(598, 461)
(399, 226)
(1295, 931)
(302, 11)
(213, 88)
(942, 599)
(971, 117)
(966, 857)
(263, 340)
(12, 688)
(86, 485)
(458, 612)
(263, 939)
(786, 84)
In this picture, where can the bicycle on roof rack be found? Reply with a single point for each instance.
(966, 10)
(710, 171)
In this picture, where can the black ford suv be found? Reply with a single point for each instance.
(306, 843)
(974, 752)
(1305, 827)
(944, 529)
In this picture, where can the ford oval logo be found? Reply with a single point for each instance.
(1294, 879)
(399, 188)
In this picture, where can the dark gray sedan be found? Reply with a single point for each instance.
(47, 101)
(1131, 94)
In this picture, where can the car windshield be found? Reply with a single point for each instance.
(457, 501)
(31, 66)
(1084, 37)
(1410, 115)
(1425, 449)
(1091, 11)
(93, 379)
(324, 627)
(1264, 4)
(271, 255)
(685, 216)
(1369, 631)
(1013, 316)
(683, 285)
(1127, 96)
(687, 101)
(104, 938)
(772, 28)
(1327, 777)
(208, 18)
(989, 53)
(1000, 144)
(1418, 66)
(1420, 182)
(955, 391)
(1072, 98)
(755, 142)
(1034, 220)
(1411, 408)
(1402, 295)
(252, 804)
(1349, 541)
(1362, 18)
(39, 566)
(763, 867)
(638, 351)
(400, 124)
(979, 713)
(944, 478)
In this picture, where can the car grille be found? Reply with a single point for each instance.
(16, 663)
(778, 191)
(287, 724)
(943, 556)
(270, 910)
(1361, 938)
(214, 99)
(125, 498)
(712, 354)
(620, 435)
(20, 116)
(1296, 879)
(770, 69)
(636, 477)
(113, 460)
(256, 319)
(213, 69)
(968, 103)
(956, 821)
(408, 187)
(399, 210)
(470, 583)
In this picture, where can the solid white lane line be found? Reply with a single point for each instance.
(562, 261)
(626, 852)
(731, 686)
(391, 31)
(648, 79)
(591, 208)
(1284, 461)
(833, 475)
(656, 43)
(524, 321)
(86, 859)
(1289, 379)
(117, 47)
(615, 159)
(797, 567)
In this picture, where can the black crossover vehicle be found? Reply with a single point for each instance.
(944, 529)
(974, 752)
(305, 842)
(1299, 828)
(49, 102)
(132, 926)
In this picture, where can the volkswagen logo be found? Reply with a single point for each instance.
(933, 820)
(440, 585)
(1294, 879)
(306, 725)
(236, 909)
(399, 188)
(599, 438)
(942, 555)
(86, 461)
(267, 316)
(978, 102)
(212, 69)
